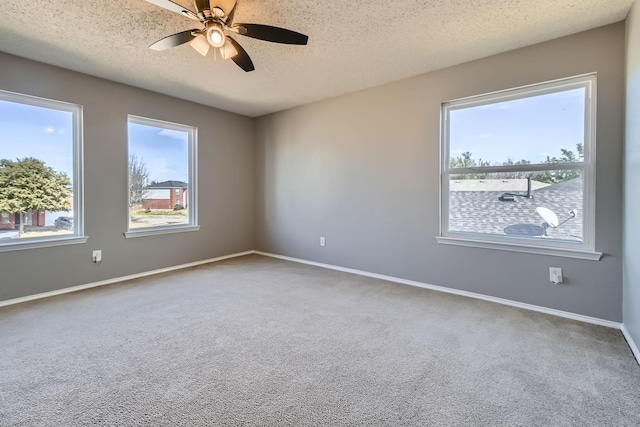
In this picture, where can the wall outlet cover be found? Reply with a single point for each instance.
(555, 275)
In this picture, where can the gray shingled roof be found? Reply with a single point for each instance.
(169, 184)
(483, 212)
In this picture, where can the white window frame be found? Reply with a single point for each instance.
(192, 131)
(555, 247)
(78, 175)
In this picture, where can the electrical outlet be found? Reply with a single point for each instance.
(322, 241)
(97, 256)
(555, 275)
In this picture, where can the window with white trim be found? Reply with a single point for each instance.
(40, 172)
(162, 177)
(518, 169)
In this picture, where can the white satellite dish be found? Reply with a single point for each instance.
(548, 216)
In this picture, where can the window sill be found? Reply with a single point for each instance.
(144, 232)
(42, 243)
(514, 247)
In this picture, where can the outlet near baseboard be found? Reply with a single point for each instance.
(555, 275)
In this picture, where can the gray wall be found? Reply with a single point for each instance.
(631, 245)
(362, 170)
(226, 183)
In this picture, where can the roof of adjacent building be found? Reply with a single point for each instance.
(477, 211)
(494, 185)
(169, 184)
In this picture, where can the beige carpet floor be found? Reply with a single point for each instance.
(262, 342)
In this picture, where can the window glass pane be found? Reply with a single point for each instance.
(159, 174)
(541, 208)
(547, 128)
(37, 146)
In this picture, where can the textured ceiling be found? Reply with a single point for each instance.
(352, 45)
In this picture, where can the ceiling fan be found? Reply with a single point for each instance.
(216, 17)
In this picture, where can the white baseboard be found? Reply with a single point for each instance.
(559, 313)
(118, 279)
(631, 342)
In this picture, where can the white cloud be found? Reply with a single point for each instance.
(175, 134)
(49, 129)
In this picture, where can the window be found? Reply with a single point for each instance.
(518, 169)
(162, 177)
(40, 172)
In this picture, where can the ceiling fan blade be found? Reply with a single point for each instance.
(173, 7)
(231, 14)
(272, 34)
(242, 59)
(173, 40)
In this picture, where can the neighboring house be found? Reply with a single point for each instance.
(166, 195)
(475, 206)
(12, 220)
(33, 218)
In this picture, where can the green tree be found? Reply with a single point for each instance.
(466, 161)
(567, 156)
(28, 184)
(511, 175)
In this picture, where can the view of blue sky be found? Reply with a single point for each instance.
(527, 128)
(47, 134)
(43, 133)
(164, 151)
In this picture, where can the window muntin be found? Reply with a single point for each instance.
(509, 158)
(162, 176)
(40, 173)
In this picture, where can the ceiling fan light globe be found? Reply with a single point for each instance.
(216, 36)
(201, 45)
(228, 51)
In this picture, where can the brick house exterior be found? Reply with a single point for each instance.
(166, 195)
(11, 221)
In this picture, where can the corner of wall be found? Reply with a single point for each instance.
(631, 225)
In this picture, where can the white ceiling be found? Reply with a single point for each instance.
(352, 44)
